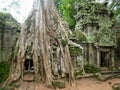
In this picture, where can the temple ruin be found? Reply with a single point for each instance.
(97, 22)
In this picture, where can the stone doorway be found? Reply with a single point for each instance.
(104, 59)
(29, 73)
(28, 65)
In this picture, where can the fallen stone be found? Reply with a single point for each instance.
(116, 86)
(58, 83)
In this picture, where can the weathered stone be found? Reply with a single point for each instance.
(116, 86)
(9, 29)
(96, 21)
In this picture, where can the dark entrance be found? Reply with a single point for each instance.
(28, 65)
(104, 62)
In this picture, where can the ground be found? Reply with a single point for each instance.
(82, 84)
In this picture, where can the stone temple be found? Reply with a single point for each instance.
(97, 22)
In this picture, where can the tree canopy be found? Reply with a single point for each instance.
(11, 5)
(115, 6)
(67, 11)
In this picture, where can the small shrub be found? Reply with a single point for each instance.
(64, 42)
(91, 68)
(78, 73)
(4, 70)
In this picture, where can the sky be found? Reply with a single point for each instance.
(24, 9)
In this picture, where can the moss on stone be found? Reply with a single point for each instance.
(78, 36)
(75, 51)
(58, 84)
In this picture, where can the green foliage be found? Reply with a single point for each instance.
(118, 43)
(80, 72)
(78, 36)
(6, 20)
(91, 68)
(115, 7)
(2, 20)
(118, 52)
(67, 11)
(4, 70)
(75, 51)
(64, 42)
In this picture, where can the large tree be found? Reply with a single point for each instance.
(42, 31)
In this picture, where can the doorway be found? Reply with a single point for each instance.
(28, 65)
(105, 57)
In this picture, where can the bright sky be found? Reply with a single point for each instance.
(25, 7)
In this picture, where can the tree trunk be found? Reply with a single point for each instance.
(43, 30)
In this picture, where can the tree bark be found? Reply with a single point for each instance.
(42, 30)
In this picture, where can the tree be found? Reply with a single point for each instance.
(67, 11)
(9, 6)
(115, 7)
(42, 31)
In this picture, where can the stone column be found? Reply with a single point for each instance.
(98, 58)
(112, 58)
(91, 53)
(84, 53)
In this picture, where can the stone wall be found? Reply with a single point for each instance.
(8, 34)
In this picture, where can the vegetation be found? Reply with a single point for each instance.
(7, 21)
(115, 6)
(89, 68)
(75, 51)
(80, 72)
(2, 26)
(64, 42)
(67, 11)
(4, 71)
(78, 36)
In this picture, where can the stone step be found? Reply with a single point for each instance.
(29, 73)
(28, 78)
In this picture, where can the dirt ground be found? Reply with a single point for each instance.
(82, 84)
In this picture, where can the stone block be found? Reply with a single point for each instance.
(58, 83)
